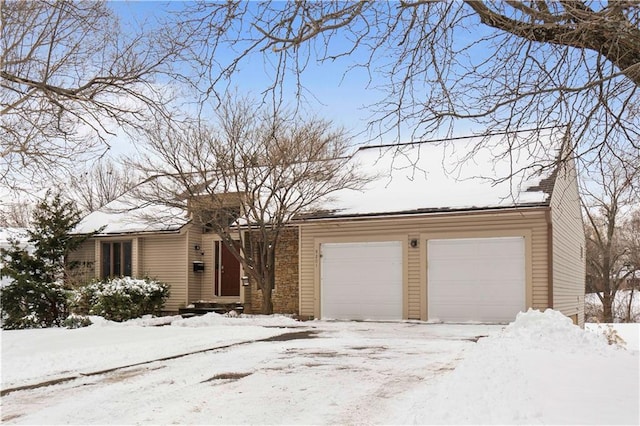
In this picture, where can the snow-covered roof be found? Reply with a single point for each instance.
(441, 176)
(127, 215)
(409, 178)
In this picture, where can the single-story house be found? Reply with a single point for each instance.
(437, 235)
(163, 243)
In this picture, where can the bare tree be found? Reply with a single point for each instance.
(69, 77)
(16, 213)
(506, 65)
(105, 181)
(608, 197)
(631, 238)
(247, 177)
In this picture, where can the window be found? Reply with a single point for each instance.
(116, 259)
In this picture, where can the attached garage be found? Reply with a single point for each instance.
(437, 236)
(476, 279)
(361, 280)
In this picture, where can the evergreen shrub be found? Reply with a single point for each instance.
(121, 299)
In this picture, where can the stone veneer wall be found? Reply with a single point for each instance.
(285, 294)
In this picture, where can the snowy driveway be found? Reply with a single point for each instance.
(317, 372)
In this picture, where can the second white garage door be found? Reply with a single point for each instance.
(476, 279)
(361, 281)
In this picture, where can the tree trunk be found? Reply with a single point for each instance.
(267, 303)
(629, 306)
(607, 315)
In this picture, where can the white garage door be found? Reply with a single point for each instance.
(361, 280)
(476, 279)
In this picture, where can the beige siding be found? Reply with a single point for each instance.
(85, 259)
(195, 279)
(568, 245)
(208, 248)
(531, 224)
(136, 257)
(165, 258)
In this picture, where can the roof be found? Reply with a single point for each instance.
(422, 177)
(441, 176)
(125, 216)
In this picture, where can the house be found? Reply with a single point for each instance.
(437, 235)
(164, 243)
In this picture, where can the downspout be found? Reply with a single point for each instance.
(549, 258)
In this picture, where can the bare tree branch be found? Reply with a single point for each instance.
(499, 66)
(71, 78)
(247, 176)
(608, 197)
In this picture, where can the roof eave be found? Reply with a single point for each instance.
(426, 212)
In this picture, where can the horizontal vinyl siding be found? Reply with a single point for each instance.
(406, 228)
(85, 269)
(540, 265)
(194, 237)
(568, 246)
(165, 258)
(208, 248)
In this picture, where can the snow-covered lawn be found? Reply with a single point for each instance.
(273, 370)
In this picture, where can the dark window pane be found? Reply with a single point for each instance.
(117, 260)
(126, 259)
(106, 260)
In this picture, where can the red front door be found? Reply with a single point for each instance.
(227, 271)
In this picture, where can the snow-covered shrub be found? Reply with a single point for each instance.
(77, 321)
(121, 299)
(29, 303)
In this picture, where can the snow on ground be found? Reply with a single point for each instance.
(31, 356)
(540, 369)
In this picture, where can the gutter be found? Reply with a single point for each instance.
(409, 214)
(128, 233)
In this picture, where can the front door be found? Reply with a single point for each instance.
(227, 271)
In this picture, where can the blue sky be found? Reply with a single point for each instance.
(330, 93)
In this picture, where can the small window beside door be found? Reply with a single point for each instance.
(116, 259)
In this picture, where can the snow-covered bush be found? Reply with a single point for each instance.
(77, 321)
(121, 299)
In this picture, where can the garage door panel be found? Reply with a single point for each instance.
(477, 279)
(361, 280)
